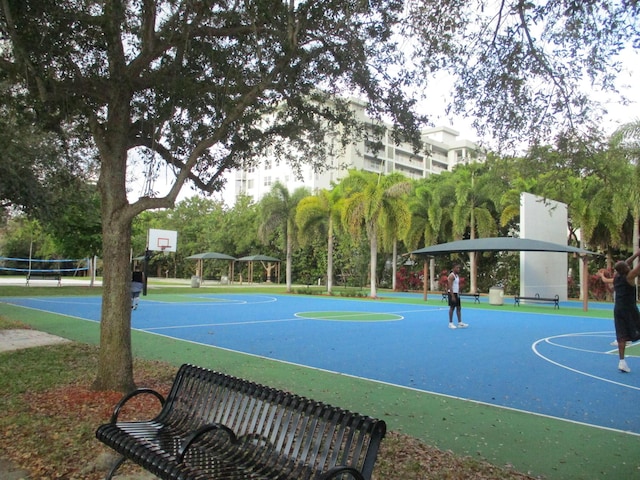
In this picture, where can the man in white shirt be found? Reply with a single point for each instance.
(454, 297)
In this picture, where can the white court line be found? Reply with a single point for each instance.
(216, 301)
(346, 315)
(535, 344)
(567, 347)
(45, 300)
(226, 324)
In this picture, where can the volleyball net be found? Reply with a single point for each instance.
(27, 266)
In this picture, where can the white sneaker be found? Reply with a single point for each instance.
(452, 326)
(462, 325)
(623, 367)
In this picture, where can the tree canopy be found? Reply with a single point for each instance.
(526, 69)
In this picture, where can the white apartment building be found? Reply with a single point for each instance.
(442, 150)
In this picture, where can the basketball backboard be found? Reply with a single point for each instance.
(162, 240)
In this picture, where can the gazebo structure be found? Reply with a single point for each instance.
(268, 263)
(200, 257)
(505, 244)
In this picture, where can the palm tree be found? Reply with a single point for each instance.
(278, 210)
(370, 200)
(473, 211)
(430, 215)
(320, 213)
(627, 139)
(395, 221)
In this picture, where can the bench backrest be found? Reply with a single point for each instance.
(301, 431)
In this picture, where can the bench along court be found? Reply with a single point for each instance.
(555, 300)
(476, 296)
(44, 276)
(215, 426)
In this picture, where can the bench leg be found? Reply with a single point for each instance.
(114, 468)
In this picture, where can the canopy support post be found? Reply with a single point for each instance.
(585, 283)
(425, 277)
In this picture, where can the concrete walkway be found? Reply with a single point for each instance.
(24, 338)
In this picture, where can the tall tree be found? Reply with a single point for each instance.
(320, 213)
(369, 200)
(190, 85)
(395, 221)
(278, 212)
(627, 139)
(241, 228)
(420, 232)
(474, 211)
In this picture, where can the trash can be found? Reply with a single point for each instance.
(496, 296)
(195, 281)
(224, 280)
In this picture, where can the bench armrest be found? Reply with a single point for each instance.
(193, 436)
(129, 396)
(336, 471)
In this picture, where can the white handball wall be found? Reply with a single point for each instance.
(544, 273)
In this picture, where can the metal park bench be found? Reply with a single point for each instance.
(44, 276)
(555, 300)
(214, 426)
(476, 296)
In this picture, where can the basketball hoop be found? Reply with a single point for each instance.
(165, 249)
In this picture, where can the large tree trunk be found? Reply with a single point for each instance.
(115, 362)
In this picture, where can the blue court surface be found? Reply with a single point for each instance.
(543, 363)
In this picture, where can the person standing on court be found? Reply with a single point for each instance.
(626, 316)
(454, 297)
(137, 283)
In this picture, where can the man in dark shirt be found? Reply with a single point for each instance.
(137, 283)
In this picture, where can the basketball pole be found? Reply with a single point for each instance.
(147, 257)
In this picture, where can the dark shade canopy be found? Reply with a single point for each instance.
(258, 258)
(214, 255)
(502, 244)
